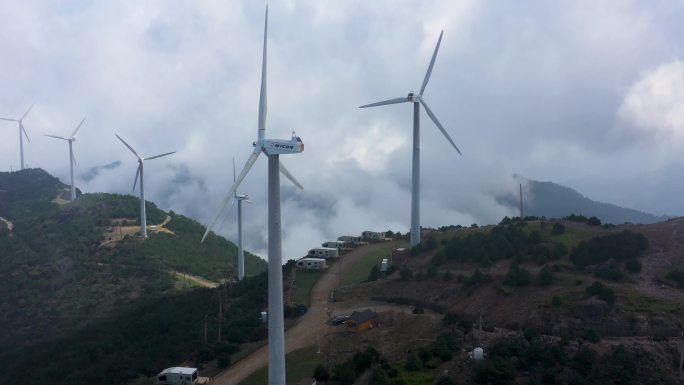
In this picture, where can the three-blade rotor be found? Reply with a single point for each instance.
(140, 158)
(412, 98)
(21, 122)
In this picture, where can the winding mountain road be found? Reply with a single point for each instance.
(308, 326)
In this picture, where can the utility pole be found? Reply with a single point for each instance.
(521, 206)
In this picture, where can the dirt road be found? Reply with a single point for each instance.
(308, 326)
(198, 280)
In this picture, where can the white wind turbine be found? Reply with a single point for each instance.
(241, 250)
(139, 175)
(72, 160)
(417, 100)
(272, 148)
(22, 130)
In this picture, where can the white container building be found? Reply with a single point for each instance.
(350, 240)
(339, 245)
(323, 252)
(177, 376)
(312, 263)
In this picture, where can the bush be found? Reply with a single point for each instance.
(593, 221)
(413, 362)
(418, 310)
(321, 373)
(446, 381)
(592, 335)
(601, 291)
(498, 371)
(676, 276)
(633, 265)
(405, 273)
(375, 273)
(430, 243)
(477, 278)
(223, 361)
(517, 276)
(622, 246)
(545, 276)
(558, 229)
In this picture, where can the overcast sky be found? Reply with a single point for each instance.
(581, 92)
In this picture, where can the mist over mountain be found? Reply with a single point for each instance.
(553, 200)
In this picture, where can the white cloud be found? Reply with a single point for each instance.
(655, 103)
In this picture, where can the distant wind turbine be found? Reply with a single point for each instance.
(139, 175)
(417, 100)
(272, 148)
(241, 250)
(72, 160)
(22, 133)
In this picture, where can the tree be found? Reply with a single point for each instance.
(545, 276)
(593, 221)
(413, 362)
(405, 273)
(321, 373)
(558, 229)
(375, 273)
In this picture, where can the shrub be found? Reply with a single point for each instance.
(375, 273)
(446, 381)
(593, 221)
(622, 246)
(557, 229)
(405, 273)
(430, 243)
(321, 373)
(477, 278)
(545, 276)
(677, 276)
(556, 301)
(633, 265)
(498, 371)
(592, 335)
(517, 276)
(223, 360)
(601, 291)
(413, 362)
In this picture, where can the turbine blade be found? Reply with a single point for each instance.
(159, 156)
(262, 93)
(129, 147)
(135, 181)
(56, 137)
(9, 120)
(432, 64)
(232, 203)
(79, 126)
(248, 201)
(21, 126)
(289, 176)
(438, 124)
(390, 101)
(27, 111)
(74, 158)
(231, 192)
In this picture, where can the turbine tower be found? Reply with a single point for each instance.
(22, 133)
(72, 160)
(272, 148)
(139, 175)
(417, 100)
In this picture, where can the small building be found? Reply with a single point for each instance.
(312, 263)
(360, 321)
(373, 235)
(384, 265)
(339, 245)
(323, 252)
(177, 376)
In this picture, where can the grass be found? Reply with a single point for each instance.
(414, 378)
(633, 301)
(361, 268)
(304, 282)
(181, 283)
(299, 364)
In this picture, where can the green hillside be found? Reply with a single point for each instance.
(61, 271)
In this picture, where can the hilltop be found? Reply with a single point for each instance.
(552, 200)
(70, 267)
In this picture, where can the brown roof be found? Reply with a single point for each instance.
(362, 316)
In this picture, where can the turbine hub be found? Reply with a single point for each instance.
(412, 97)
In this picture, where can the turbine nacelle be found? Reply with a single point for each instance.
(242, 197)
(281, 146)
(412, 97)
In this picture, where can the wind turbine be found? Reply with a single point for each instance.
(241, 250)
(139, 175)
(72, 160)
(21, 130)
(272, 148)
(417, 100)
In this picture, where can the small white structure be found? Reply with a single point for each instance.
(264, 316)
(340, 245)
(384, 265)
(177, 376)
(312, 263)
(373, 235)
(323, 252)
(350, 240)
(477, 354)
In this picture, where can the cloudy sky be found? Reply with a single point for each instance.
(585, 93)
